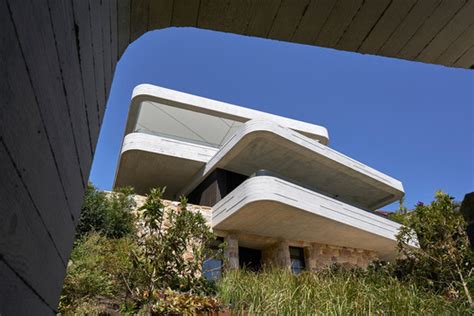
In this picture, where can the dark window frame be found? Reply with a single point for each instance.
(297, 259)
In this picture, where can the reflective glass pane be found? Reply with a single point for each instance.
(164, 120)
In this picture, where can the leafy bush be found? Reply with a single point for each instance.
(329, 292)
(97, 268)
(171, 250)
(443, 261)
(107, 213)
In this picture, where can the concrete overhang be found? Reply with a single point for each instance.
(147, 92)
(148, 161)
(267, 145)
(271, 207)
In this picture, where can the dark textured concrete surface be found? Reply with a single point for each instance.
(57, 61)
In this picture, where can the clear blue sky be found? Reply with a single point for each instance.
(412, 121)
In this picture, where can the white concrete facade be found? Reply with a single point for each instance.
(308, 193)
(276, 208)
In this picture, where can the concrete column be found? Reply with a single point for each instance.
(309, 260)
(232, 252)
(283, 254)
(277, 255)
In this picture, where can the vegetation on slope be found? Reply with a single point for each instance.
(115, 268)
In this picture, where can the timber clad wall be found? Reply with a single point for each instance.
(57, 61)
(215, 187)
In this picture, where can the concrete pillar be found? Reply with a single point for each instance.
(232, 252)
(309, 258)
(277, 255)
(283, 254)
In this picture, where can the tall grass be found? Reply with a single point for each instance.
(280, 292)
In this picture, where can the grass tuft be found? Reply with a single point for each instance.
(330, 292)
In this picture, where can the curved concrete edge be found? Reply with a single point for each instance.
(267, 188)
(254, 129)
(166, 146)
(257, 191)
(162, 147)
(148, 92)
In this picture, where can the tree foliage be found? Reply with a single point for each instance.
(172, 247)
(435, 248)
(107, 213)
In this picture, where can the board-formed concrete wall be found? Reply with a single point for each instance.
(57, 62)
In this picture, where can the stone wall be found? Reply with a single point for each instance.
(319, 256)
(276, 254)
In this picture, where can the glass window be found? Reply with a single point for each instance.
(212, 267)
(297, 259)
(250, 259)
(199, 128)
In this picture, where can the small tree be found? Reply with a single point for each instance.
(109, 214)
(443, 261)
(172, 248)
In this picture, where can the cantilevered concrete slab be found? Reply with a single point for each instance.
(268, 206)
(267, 145)
(201, 114)
(148, 161)
(171, 135)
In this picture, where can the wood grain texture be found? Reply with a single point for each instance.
(63, 28)
(114, 34)
(16, 298)
(338, 21)
(82, 27)
(261, 17)
(430, 28)
(392, 17)
(457, 49)
(28, 146)
(288, 18)
(185, 12)
(445, 39)
(466, 60)
(360, 27)
(139, 10)
(408, 27)
(159, 15)
(98, 57)
(106, 26)
(123, 25)
(26, 244)
(45, 75)
(313, 21)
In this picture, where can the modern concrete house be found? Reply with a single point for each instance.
(63, 92)
(279, 195)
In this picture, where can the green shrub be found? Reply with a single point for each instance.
(97, 268)
(162, 259)
(107, 213)
(443, 262)
(329, 292)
